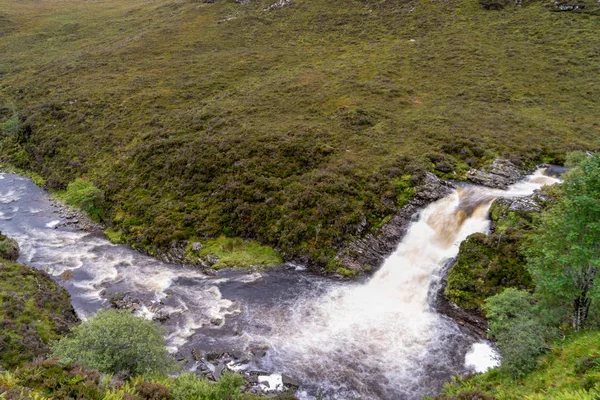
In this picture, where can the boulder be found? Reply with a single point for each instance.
(499, 175)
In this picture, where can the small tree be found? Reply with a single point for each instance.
(564, 254)
(116, 341)
(522, 332)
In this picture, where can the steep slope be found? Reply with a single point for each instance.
(34, 312)
(301, 126)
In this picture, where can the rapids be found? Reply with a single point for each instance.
(379, 339)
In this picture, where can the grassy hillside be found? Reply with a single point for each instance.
(299, 126)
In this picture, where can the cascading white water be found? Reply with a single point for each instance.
(378, 340)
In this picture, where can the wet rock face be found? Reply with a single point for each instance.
(9, 248)
(499, 175)
(372, 250)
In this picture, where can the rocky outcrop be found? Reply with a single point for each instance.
(500, 174)
(472, 320)
(9, 248)
(370, 251)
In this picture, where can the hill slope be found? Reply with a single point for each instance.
(300, 126)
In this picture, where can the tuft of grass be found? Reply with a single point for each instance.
(115, 236)
(239, 253)
(83, 195)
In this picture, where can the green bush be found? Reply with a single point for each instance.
(85, 196)
(521, 333)
(116, 341)
(191, 387)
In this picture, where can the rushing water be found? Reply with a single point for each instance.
(375, 340)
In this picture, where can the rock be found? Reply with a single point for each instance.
(9, 248)
(370, 252)
(290, 382)
(197, 354)
(211, 260)
(218, 371)
(495, 4)
(196, 246)
(213, 355)
(500, 174)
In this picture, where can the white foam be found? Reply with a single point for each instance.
(271, 383)
(482, 357)
(53, 224)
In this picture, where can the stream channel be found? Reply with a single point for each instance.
(377, 339)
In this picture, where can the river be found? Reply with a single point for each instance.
(378, 339)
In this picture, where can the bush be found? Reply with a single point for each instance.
(116, 341)
(521, 333)
(152, 391)
(192, 387)
(85, 196)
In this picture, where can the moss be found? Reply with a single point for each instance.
(484, 267)
(237, 253)
(115, 236)
(345, 272)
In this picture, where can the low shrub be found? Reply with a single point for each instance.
(116, 341)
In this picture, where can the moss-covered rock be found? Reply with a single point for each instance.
(9, 248)
(34, 311)
(485, 266)
(488, 264)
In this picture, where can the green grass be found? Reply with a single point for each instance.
(238, 253)
(115, 236)
(292, 126)
(571, 367)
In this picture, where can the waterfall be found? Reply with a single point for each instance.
(381, 339)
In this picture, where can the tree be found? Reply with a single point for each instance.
(116, 341)
(563, 255)
(521, 331)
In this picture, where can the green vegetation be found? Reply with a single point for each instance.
(192, 387)
(564, 253)
(571, 371)
(288, 126)
(34, 311)
(116, 341)
(522, 330)
(237, 253)
(485, 266)
(563, 257)
(46, 380)
(84, 195)
(114, 236)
